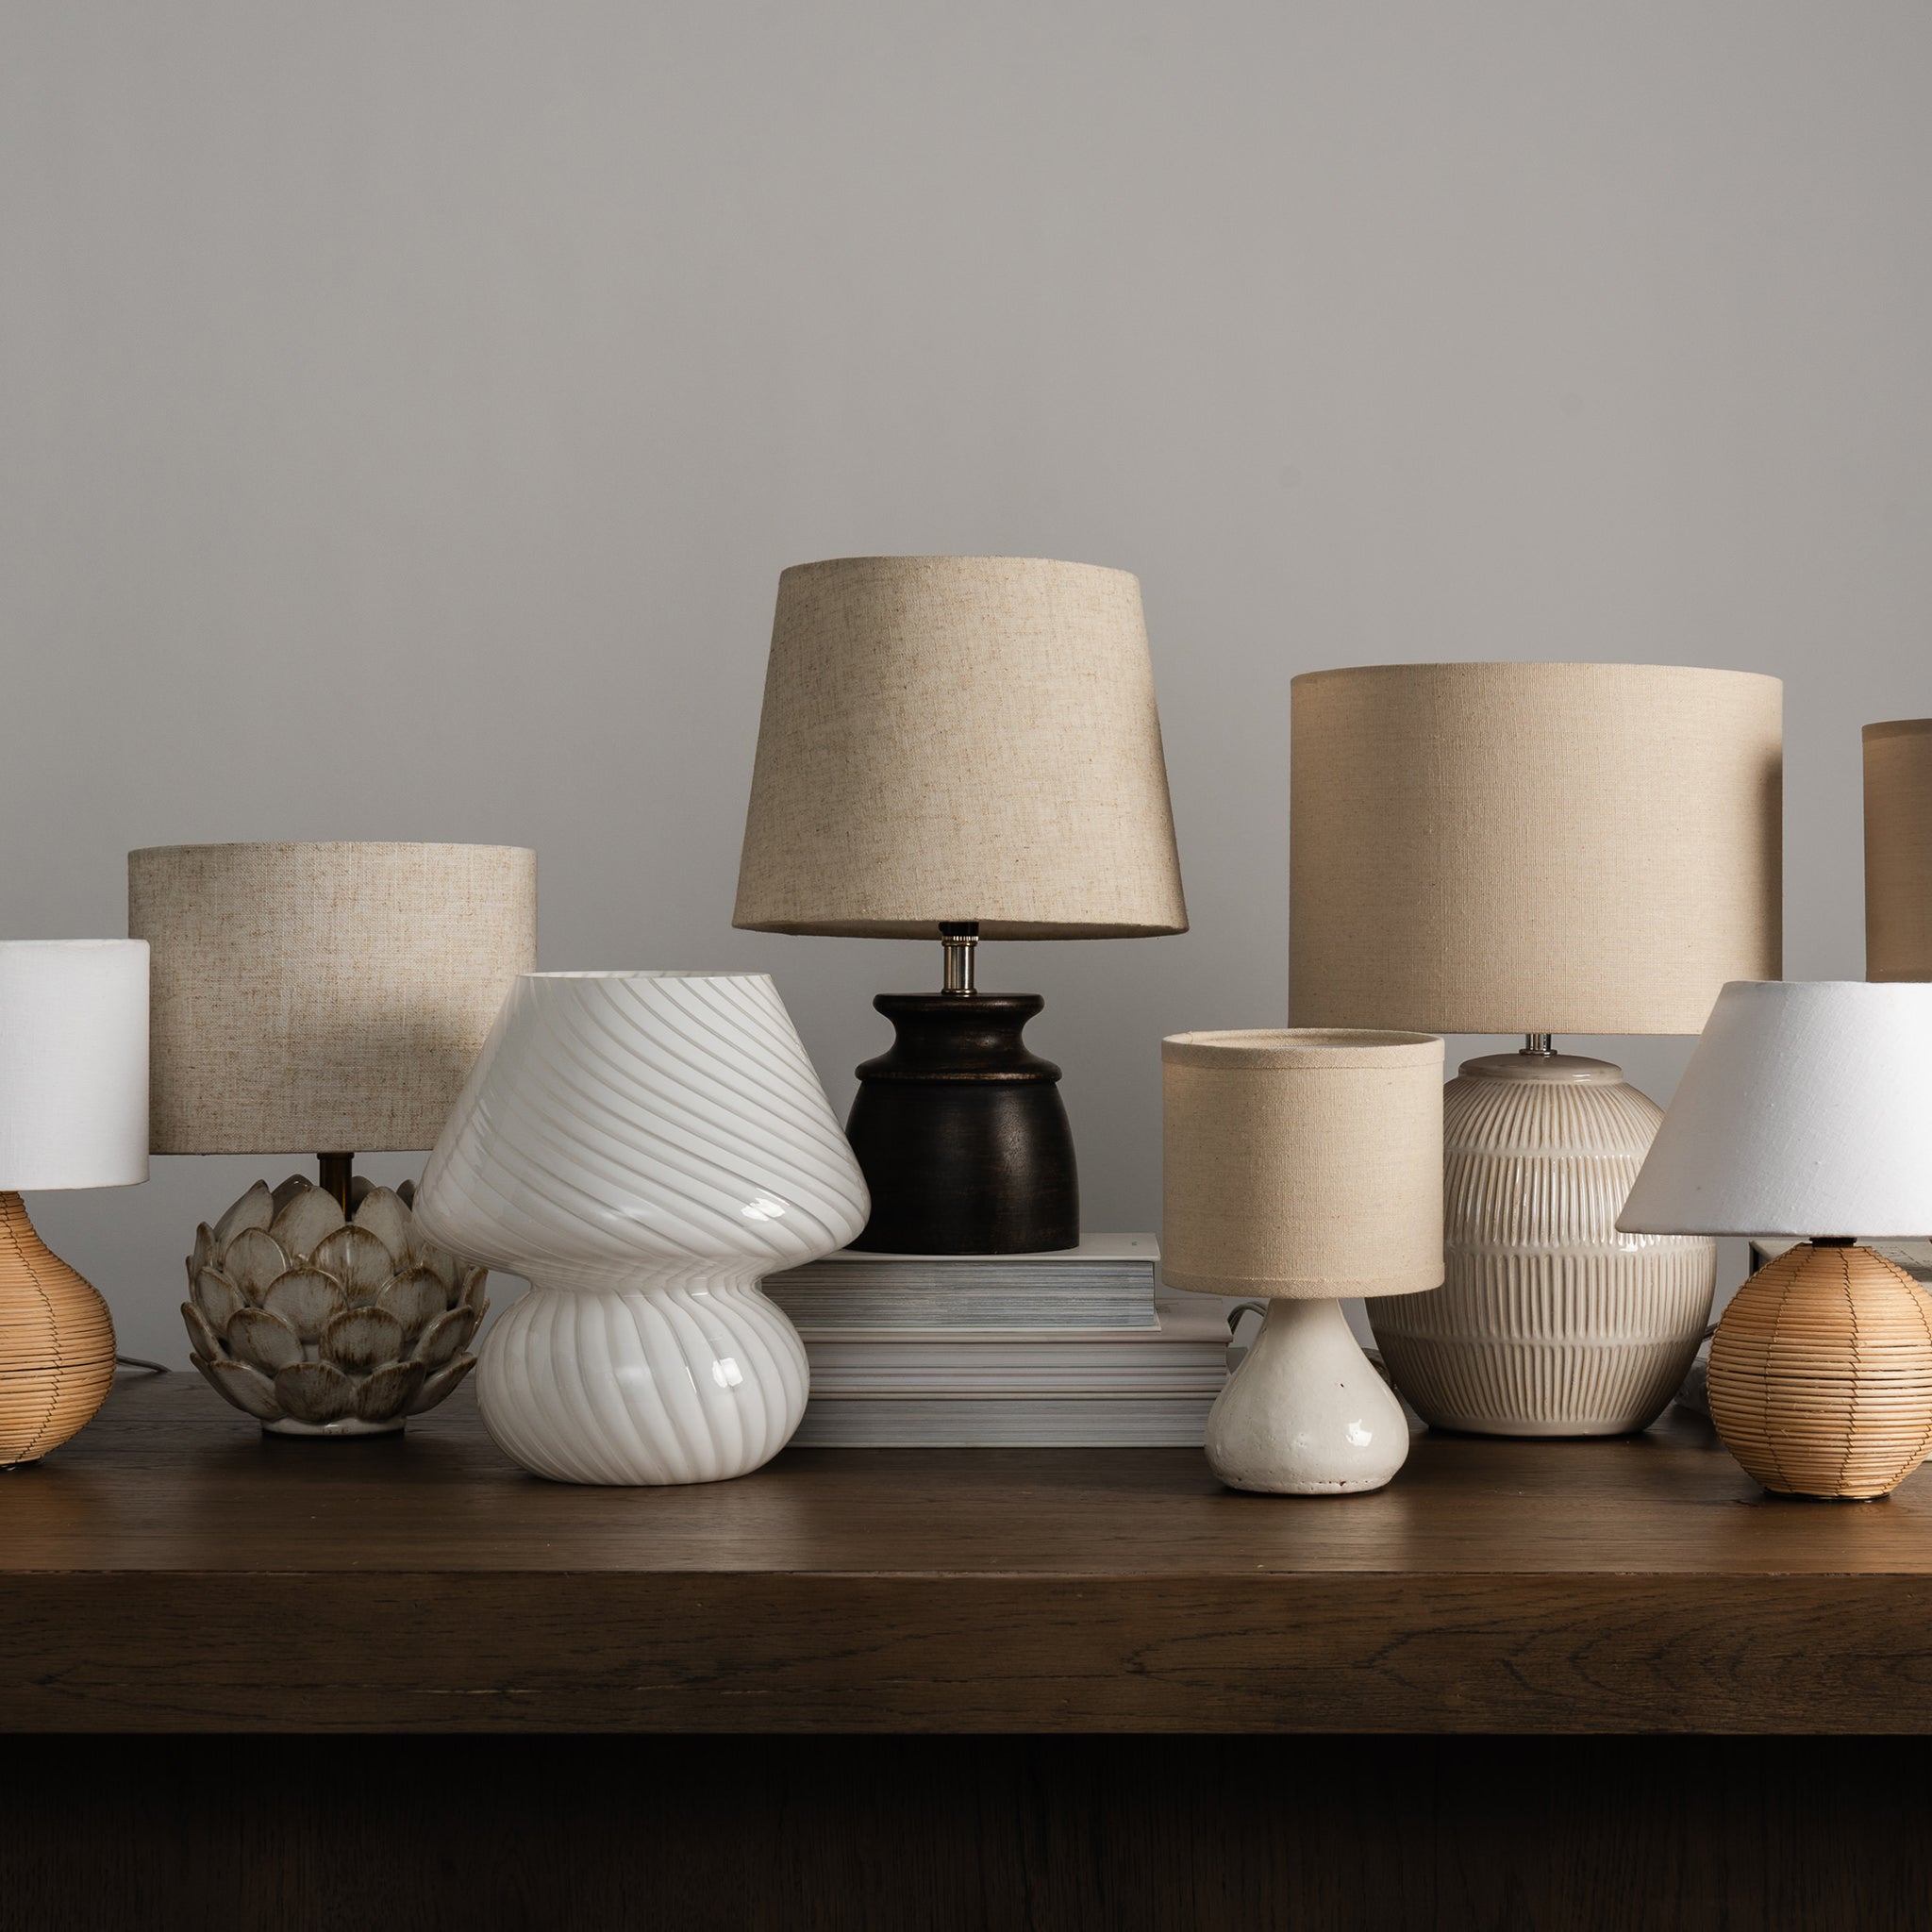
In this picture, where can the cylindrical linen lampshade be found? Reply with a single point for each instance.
(324, 997)
(1898, 849)
(74, 1098)
(1806, 1109)
(1305, 1163)
(1532, 848)
(959, 739)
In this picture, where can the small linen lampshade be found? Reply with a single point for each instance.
(1304, 1166)
(1898, 849)
(324, 997)
(1531, 848)
(959, 739)
(1806, 1109)
(73, 1020)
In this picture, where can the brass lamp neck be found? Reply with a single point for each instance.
(960, 939)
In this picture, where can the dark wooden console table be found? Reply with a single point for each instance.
(1420, 1688)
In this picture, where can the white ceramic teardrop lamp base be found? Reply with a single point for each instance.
(1306, 1414)
(689, 1377)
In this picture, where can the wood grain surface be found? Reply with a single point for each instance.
(172, 1570)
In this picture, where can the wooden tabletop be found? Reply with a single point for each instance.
(173, 1569)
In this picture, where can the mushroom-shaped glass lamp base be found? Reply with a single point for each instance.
(644, 1148)
(686, 1376)
(1306, 1414)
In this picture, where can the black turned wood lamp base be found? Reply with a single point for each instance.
(962, 1132)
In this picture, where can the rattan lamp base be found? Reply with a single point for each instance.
(1820, 1373)
(56, 1343)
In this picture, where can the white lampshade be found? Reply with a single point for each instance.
(1806, 1109)
(73, 1063)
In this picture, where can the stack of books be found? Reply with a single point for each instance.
(1074, 1349)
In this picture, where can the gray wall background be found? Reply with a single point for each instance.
(408, 406)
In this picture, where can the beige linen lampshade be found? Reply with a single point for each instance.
(1898, 850)
(959, 739)
(324, 997)
(1305, 1163)
(1532, 848)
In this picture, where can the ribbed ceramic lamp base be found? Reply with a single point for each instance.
(679, 1379)
(1549, 1322)
(56, 1343)
(1820, 1373)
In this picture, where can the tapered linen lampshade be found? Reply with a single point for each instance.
(328, 998)
(1898, 849)
(960, 749)
(1303, 1166)
(959, 739)
(73, 1114)
(1806, 1109)
(1536, 849)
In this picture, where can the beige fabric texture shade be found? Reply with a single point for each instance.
(960, 737)
(1301, 1164)
(322, 998)
(1898, 849)
(1532, 848)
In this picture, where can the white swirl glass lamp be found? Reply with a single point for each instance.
(643, 1147)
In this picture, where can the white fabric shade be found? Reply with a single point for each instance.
(1806, 1109)
(73, 1063)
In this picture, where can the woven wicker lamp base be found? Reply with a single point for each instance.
(1820, 1373)
(56, 1343)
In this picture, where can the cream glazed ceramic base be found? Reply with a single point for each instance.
(1548, 1322)
(1306, 1414)
(688, 1376)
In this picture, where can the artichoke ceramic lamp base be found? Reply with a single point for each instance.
(321, 1324)
(1549, 1322)
(1305, 1413)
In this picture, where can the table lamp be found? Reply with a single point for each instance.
(73, 1114)
(1537, 849)
(958, 749)
(325, 998)
(645, 1147)
(1301, 1167)
(1898, 849)
(1806, 1109)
